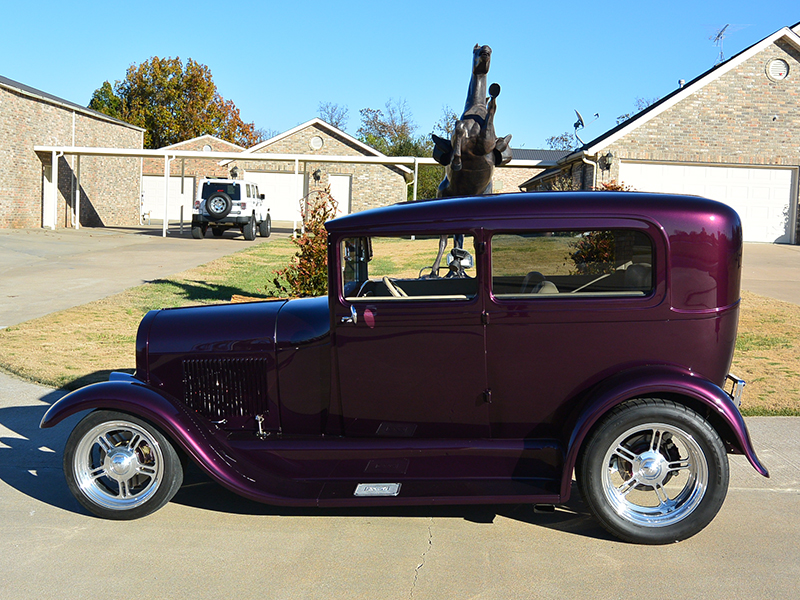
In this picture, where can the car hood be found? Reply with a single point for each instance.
(204, 331)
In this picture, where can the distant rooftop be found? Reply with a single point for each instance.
(31, 91)
(546, 156)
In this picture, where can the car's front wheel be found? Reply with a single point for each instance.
(121, 467)
(653, 472)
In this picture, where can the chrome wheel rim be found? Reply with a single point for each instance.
(655, 475)
(118, 465)
(217, 204)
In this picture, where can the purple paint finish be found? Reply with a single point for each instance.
(480, 399)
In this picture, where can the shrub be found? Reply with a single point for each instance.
(307, 273)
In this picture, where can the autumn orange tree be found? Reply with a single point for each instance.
(173, 102)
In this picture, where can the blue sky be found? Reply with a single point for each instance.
(278, 60)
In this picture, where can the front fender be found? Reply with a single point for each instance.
(201, 441)
(658, 382)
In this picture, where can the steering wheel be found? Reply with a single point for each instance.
(393, 288)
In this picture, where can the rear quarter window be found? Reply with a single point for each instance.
(572, 264)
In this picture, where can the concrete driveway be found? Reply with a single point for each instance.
(208, 543)
(772, 270)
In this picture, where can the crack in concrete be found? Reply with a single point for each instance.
(422, 561)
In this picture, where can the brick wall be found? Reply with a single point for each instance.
(109, 187)
(741, 118)
(508, 179)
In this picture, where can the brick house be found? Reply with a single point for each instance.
(109, 187)
(185, 176)
(355, 186)
(731, 134)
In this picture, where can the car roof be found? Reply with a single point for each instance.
(689, 212)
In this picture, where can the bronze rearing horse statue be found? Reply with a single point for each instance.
(474, 149)
(472, 153)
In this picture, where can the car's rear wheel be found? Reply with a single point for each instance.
(121, 467)
(249, 230)
(197, 232)
(653, 472)
(265, 227)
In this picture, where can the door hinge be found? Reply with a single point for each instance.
(485, 317)
(487, 396)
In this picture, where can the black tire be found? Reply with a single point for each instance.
(653, 472)
(249, 230)
(265, 227)
(217, 231)
(110, 455)
(218, 205)
(197, 232)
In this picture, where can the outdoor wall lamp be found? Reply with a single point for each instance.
(609, 159)
(317, 175)
(234, 172)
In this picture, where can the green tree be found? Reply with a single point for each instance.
(392, 132)
(104, 100)
(173, 102)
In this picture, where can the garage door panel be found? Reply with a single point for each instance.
(761, 196)
(153, 197)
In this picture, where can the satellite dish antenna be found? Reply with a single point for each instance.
(580, 124)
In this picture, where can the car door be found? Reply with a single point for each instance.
(410, 362)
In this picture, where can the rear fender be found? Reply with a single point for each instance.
(653, 382)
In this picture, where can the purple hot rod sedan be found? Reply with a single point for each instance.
(470, 350)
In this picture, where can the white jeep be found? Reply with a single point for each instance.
(227, 203)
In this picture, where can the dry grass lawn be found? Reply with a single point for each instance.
(82, 345)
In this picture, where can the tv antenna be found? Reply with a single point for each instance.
(718, 38)
(580, 124)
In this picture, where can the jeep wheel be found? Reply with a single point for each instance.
(219, 205)
(249, 230)
(265, 227)
(653, 472)
(121, 467)
(197, 232)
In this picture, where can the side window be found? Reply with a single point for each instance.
(569, 264)
(408, 268)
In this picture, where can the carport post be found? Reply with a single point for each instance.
(167, 160)
(76, 208)
(416, 175)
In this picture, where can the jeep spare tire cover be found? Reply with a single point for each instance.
(218, 205)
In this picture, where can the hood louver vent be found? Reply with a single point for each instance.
(225, 388)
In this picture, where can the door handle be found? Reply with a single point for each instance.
(353, 318)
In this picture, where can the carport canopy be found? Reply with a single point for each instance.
(169, 155)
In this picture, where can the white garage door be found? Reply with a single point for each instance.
(282, 193)
(153, 197)
(762, 197)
